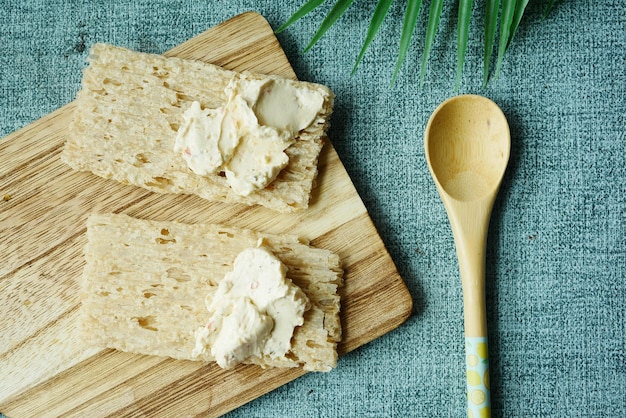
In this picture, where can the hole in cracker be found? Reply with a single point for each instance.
(226, 234)
(166, 111)
(184, 97)
(160, 240)
(108, 80)
(178, 275)
(159, 182)
(141, 159)
(159, 72)
(326, 302)
(313, 344)
(146, 322)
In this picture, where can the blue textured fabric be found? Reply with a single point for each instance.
(556, 262)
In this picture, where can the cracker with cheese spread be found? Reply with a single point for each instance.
(187, 127)
(147, 285)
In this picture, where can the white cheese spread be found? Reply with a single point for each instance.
(247, 136)
(253, 312)
(198, 138)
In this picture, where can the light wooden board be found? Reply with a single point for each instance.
(45, 370)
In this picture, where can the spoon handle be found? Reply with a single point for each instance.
(476, 352)
(469, 227)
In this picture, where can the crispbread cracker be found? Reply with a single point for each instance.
(144, 285)
(128, 113)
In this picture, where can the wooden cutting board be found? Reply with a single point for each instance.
(45, 370)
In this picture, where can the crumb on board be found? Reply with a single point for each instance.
(6, 197)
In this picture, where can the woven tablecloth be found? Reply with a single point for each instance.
(556, 258)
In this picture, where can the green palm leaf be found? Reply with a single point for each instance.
(506, 18)
(547, 12)
(431, 29)
(517, 17)
(309, 6)
(377, 19)
(465, 12)
(491, 21)
(335, 13)
(510, 18)
(408, 27)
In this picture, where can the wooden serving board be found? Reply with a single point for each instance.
(45, 370)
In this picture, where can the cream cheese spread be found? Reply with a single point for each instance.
(247, 136)
(253, 312)
(197, 139)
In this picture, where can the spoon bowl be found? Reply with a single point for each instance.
(467, 145)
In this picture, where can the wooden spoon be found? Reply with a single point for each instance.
(467, 144)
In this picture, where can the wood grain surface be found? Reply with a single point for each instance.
(45, 370)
